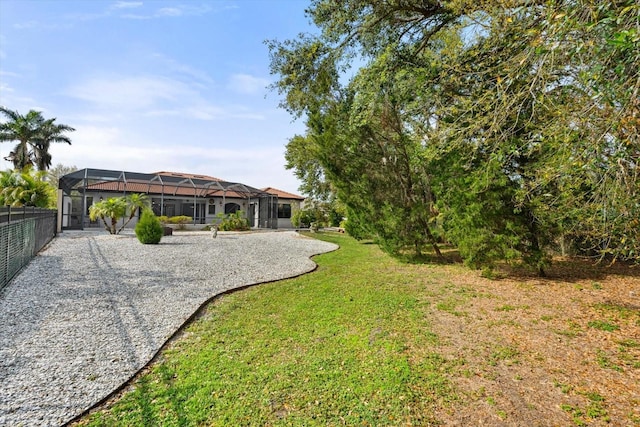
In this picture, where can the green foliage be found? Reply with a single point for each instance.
(181, 221)
(303, 218)
(34, 134)
(483, 221)
(135, 203)
(302, 157)
(508, 131)
(26, 188)
(233, 222)
(320, 213)
(336, 212)
(603, 325)
(163, 219)
(111, 210)
(356, 229)
(149, 229)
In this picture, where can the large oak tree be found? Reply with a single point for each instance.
(511, 126)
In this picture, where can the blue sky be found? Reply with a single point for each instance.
(154, 85)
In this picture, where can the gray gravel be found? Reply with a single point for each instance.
(92, 309)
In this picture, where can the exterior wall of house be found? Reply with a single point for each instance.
(205, 209)
(285, 213)
(218, 205)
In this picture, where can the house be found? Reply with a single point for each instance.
(287, 204)
(200, 197)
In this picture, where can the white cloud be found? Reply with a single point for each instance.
(196, 77)
(119, 149)
(9, 99)
(154, 96)
(171, 12)
(130, 93)
(205, 112)
(9, 74)
(126, 5)
(89, 146)
(247, 84)
(26, 25)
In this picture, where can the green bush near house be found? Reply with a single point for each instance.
(181, 221)
(303, 218)
(233, 222)
(149, 229)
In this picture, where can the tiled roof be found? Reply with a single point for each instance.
(164, 182)
(145, 187)
(187, 175)
(282, 194)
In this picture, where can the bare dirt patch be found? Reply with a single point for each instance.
(555, 351)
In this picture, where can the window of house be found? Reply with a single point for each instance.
(230, 208)
(155, 206)
(89, 203)
(170, 209)
(284, 210)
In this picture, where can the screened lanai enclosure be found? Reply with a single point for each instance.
(199, 197)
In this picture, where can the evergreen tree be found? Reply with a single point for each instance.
(149, 229)
(515, 126)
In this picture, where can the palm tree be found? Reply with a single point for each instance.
(23, 129)
(34, 135)
(8, 181)
(113, 208)
(25, 188)
(49, 132)
(135, 202)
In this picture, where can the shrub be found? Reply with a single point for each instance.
(163, 219)
(303, 218)
(233, 222)
(181, 221)
(148, 229)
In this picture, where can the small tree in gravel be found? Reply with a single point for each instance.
(149, 229)
(135, 202)
(109, 211)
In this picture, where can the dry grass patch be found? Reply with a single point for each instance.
(545, 351)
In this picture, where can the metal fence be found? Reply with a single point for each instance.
(23, 232)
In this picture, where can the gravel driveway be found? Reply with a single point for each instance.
(92, 309)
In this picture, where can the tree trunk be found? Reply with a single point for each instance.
(128, 220)
(432, 240)
(106, 226)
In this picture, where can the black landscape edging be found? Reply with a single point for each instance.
(196, 313)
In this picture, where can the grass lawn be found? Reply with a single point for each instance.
(367, 340)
